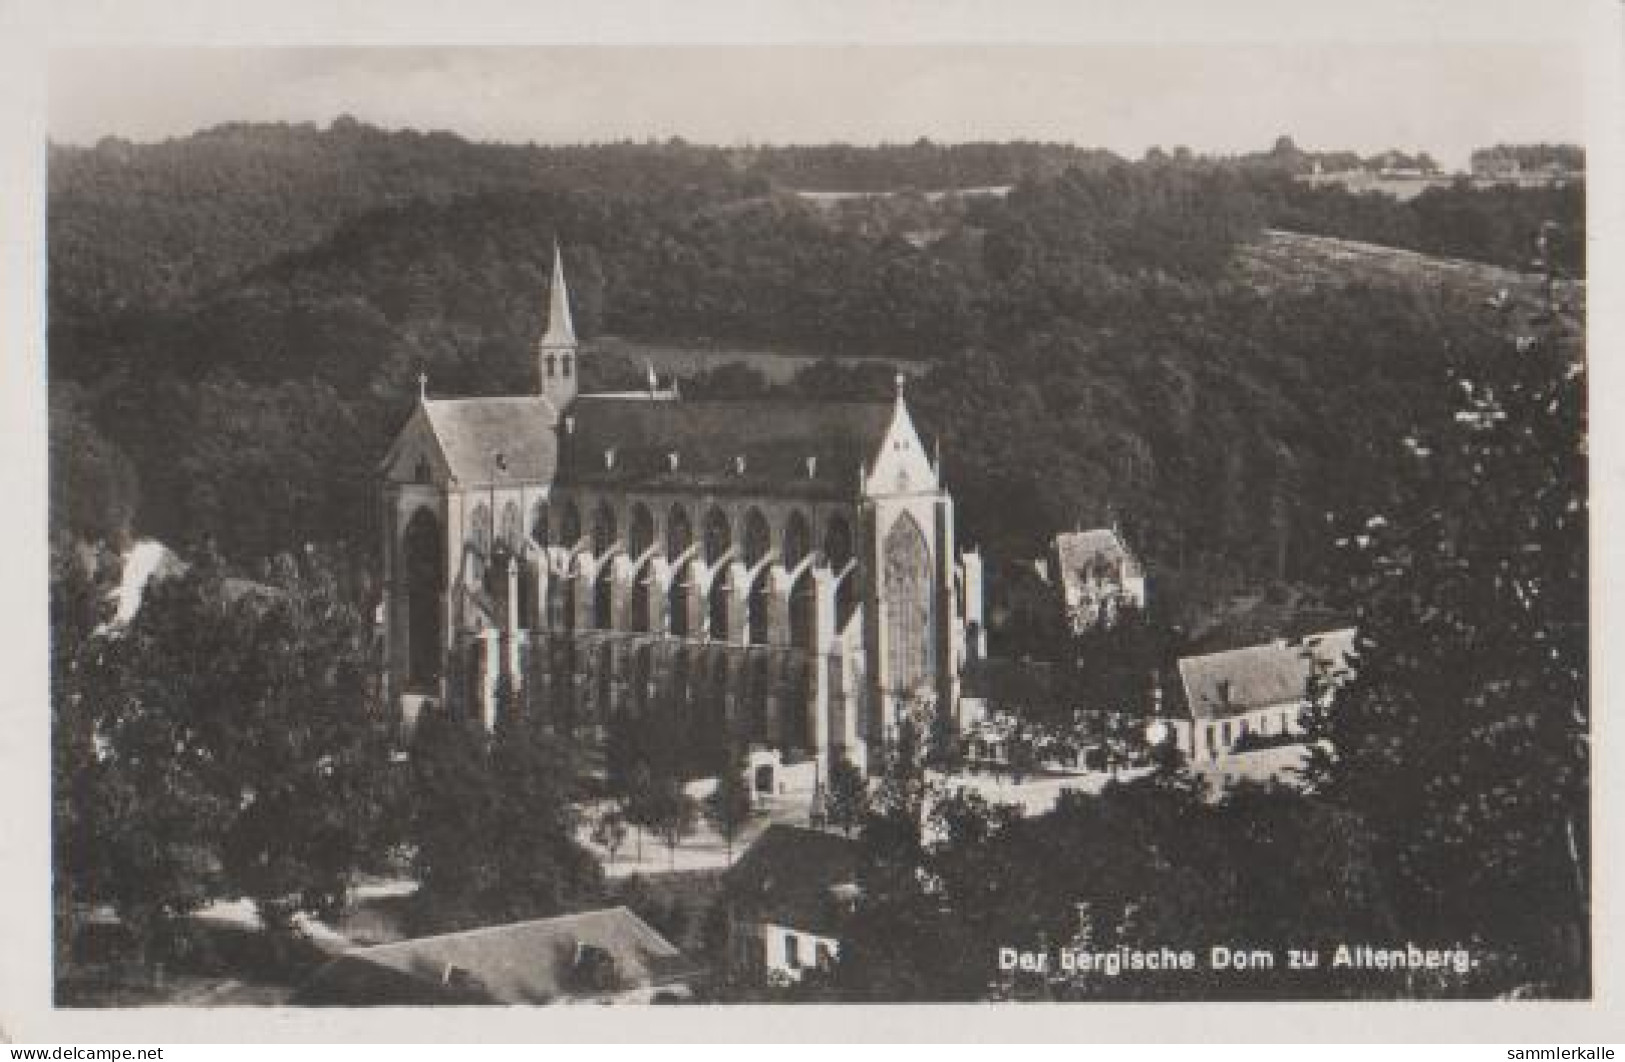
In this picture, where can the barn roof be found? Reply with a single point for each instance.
(473, 431)
(522, 962)
(757, 446)
(1259, 676)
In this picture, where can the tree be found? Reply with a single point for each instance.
(494, 822)
(132, 823)
(453, 800)
(672, 813)
(309, 753)
(609, 830)
(945, 751)
(639, 801)
(728, 807)
(1463, 737)
(541, 868)
(846, 800)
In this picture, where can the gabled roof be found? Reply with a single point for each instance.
(1088, 551)
(523, 962)
(791, 876)
(1219, 685)
(775, 439)
(472, 431)
(561, 330)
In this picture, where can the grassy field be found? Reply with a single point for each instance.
(1292, 261)
(689, 359)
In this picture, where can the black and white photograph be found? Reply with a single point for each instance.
(705, 525)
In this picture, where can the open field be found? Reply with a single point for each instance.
(686, 359)
(1294, 261)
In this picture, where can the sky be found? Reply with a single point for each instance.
(1446, 96)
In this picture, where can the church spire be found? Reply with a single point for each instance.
(556, 352)
(561, 330)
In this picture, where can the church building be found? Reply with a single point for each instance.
(784, 571)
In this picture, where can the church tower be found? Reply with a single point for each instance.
(556, 362)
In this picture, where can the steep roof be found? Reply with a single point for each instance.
(523, 962)
(1086, 551)
(789, 875)
(775, 439)
(561, 330)
(1230, 683)
(472, 431)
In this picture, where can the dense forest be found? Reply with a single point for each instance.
(237, 319)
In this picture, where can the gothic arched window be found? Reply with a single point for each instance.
(424, 564)
(907, 606)
(552, 366)
(538, 523)
(803, 612)
(797, 539)
(718, 535)
(570, 526)
(756, 610)
(679, 532)
(717, 606)
(838, 542)
(604, 528)
(641, 535)
(480, 530)
(677, 602)
(758, 537)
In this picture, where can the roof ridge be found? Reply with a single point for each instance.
(484, 930)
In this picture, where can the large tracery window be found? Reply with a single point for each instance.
(908, 607)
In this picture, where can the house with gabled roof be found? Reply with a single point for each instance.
(605, 956)
(1097, 575)
(1247, 705)
(788, 897)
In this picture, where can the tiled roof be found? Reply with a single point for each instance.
(1088, 551)
(523, 962)
(791, 876)
(1242, 680)
(472, 431)
(751, 446)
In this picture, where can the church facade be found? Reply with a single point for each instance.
(783, 572)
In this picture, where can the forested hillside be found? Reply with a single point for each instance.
(237, 320)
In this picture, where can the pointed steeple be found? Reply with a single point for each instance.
(556, 352)
(561, 330)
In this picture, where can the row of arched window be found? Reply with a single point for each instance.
(563, 525)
